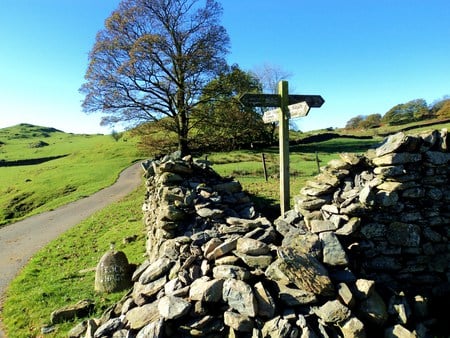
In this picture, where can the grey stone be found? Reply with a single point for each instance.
(222, 249)
(210, 213)
(373, 230)
(403, 234)
(246, 223)
(305, 271)
(156, 270)
(266, 303)
(345, 295)
(386, 198)
(310, 203)
(171, 307)
(274, 272)
(169, 178)
(396, 159)
(238, 322)
(204, 289)
(391, 144)
(175, 167)
(211, 245)
(170, 212)
(333, 253)
(92, 326)
(78, 330)
(248, 211)
(351, 158)
(295, 297)
(367, 195)
(279, 327)
(140, 316)
(227, 260)
(257, 262)
(398, 331)
(287, 221)
(70, 312)
(153, 329)
(374, 309)
(140, 269)
(240, 297)
(364, 288)
(333, 311)
(122, 333)
(109, 328)
(317, 190)
(353, 328)
(307, 243)
(321, 226)
(249, 246)
(230, 271)
(142, 291)
(349, 227)
(390, 171)
(228, 187)
(437, 158)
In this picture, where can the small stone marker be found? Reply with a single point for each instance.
(113, 272)
(293, 105)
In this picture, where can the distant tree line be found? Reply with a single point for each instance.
(412, 111)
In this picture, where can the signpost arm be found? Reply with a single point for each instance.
(283, 91)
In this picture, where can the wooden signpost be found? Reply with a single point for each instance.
(288, 106)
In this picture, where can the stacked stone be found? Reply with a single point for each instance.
(216, 268)
(388, 213)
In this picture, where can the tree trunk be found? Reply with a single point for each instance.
(183, 145)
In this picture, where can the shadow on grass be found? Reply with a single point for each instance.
(268, 207)
(31, 161)
(336, 146)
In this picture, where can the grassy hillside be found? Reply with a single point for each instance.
(42, 168)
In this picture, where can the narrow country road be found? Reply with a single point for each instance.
(21, 240)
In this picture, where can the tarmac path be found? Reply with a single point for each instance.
(21, 240)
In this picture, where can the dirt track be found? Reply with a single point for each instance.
(21, 240)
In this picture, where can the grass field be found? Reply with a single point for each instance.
(52, 279)
(42, 168)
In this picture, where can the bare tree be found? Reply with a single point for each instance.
(269, 75)
(152, 60)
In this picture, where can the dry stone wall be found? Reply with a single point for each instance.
(364, 253)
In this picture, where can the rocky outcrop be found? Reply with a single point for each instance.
(364, 254)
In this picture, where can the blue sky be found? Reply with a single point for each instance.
(363, 57)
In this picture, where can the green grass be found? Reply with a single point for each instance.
(84, 164)
(246, 166)
(52, 279)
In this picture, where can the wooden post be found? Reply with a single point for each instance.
(290, 106)
(283, 91)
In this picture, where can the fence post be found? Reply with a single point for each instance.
(264, 166)
(318, 162)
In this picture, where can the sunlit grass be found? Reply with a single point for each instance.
(54, 278)
(90, 163)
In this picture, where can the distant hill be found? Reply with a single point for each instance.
(26, 130)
